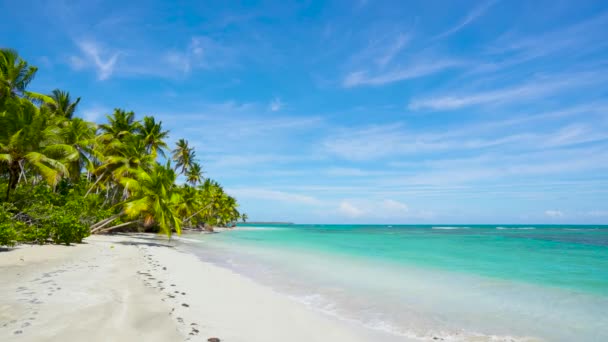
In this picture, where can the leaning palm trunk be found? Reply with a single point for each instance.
(196, 213)
(93, 186)
(100, 230)
(104, 222)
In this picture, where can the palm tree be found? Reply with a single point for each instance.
(189, 200)
(121, 124)
(15, 74)
(62, 104)
(194, 175)
(31, 137)
(183, 155)
(80, 135)
(153, 202)
(128, 160)
(153, 136)
(244, 218)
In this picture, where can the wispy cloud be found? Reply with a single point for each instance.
(350, 210)
(597, 213)
(274, 195)
(93, 55)
(275, 105)
(376, 142)
(578, 38)
(541, 87)
(415, 70)
(381, 141)
(383, 210)
(94, 113)
(554, 213)
(201, 52)
(475, 13)
(393, 49)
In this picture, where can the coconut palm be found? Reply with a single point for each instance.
(194, 175)
(15, 74)
(128, 160)
(80, 134)
(189, 201)
(183, 156)
(153, 201)
(121, 124)
(30, 137)
(154, 136)
(62, 103)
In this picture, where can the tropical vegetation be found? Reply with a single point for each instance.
(63, 178)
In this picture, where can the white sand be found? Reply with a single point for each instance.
(120, 288)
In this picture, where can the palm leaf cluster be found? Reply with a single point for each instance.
(124, 162)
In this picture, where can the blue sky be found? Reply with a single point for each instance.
(353, 112)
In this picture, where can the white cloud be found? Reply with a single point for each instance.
(394, 207)
(201, 52)
(346, 172)
(94, 113)
(412, 70)
(554, 213)
(542, 87)
(93, 55)
(350, 210)
(598, 213)
(384, 210)
(273, 195)
(583, 37)
(393, 49)
(276, 104)
(477, 12)
(377, 142)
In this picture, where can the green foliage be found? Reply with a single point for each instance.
(64, 178)
(8, 234)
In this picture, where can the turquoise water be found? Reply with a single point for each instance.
(453, 281)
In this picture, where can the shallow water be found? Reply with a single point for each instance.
(455, 282)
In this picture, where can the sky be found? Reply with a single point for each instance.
(352, 111)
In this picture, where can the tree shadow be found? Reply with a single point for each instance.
(141, 240)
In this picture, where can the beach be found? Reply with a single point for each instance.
(141, 288)
(312, 283)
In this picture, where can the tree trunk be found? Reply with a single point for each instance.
(196, 213)
(104, 222)
(99, 230)
(92, 186)
(13, 179)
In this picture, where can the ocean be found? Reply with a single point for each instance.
(451, 282)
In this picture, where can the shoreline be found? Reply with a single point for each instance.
(138, 287)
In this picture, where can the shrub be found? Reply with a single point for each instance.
(33, 233)
(8, 235)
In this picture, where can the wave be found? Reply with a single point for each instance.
(319, 303)
(515, 228)
(180, 238)
(450, 228)
(581, 229)
(258, 228)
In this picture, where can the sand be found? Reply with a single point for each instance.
(141, 288)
